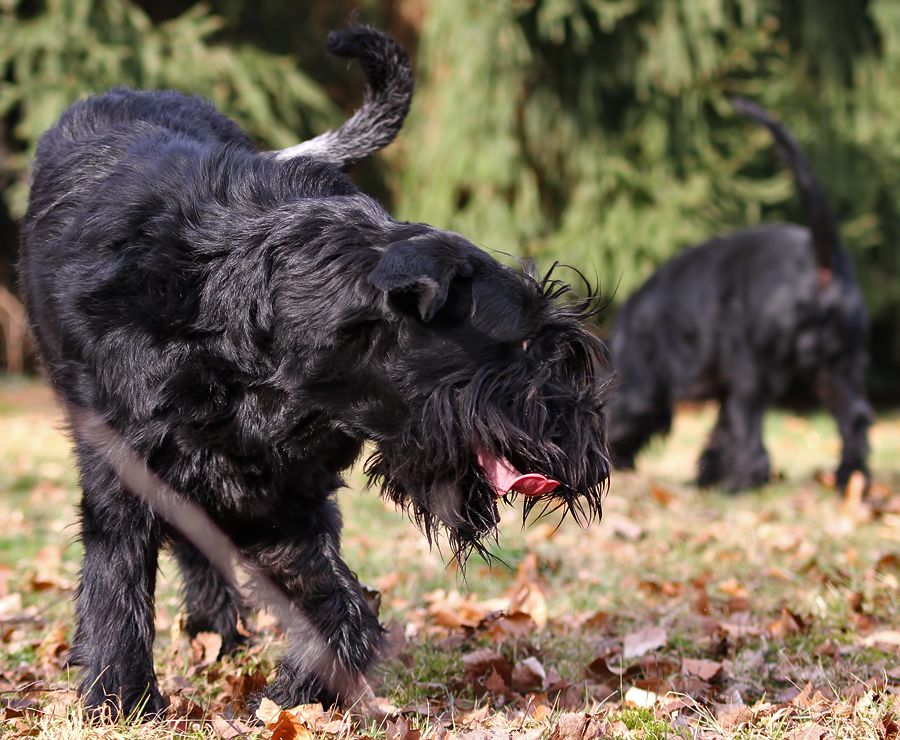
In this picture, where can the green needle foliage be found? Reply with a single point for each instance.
(50, 58)
(601, 133)
(598, 133)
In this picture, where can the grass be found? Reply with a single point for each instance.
(766, 615)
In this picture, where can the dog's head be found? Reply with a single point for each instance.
(497, 390)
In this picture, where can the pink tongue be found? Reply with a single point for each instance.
(504, 477)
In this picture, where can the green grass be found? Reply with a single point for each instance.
(784, 587)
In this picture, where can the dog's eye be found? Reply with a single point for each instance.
(526, 346)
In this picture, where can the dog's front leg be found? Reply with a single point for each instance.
(333, 633)
(844, 399)
(212, 603)
(114, 637)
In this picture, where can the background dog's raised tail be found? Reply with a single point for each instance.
(822, 221)
(385, 105)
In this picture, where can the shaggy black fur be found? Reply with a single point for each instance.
(735, 319)
(245, 321)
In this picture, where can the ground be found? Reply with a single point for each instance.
(683, 613)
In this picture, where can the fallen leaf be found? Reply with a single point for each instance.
(267, 710)
(530, 600)
(883, 638)
(244, 686)
(516, 625)
(528, 675)
(807, 731)
(482, 661)
(647, 639)
(788, 623)
(570, 726)
(10, 606)
(206, 647)
(707, 670)
(228, 728)
(662, 495)
(402, 730)
(495, 684)
(285, 726)
(636, 697)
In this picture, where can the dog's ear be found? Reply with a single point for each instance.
(426, 280)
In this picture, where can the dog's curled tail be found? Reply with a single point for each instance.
(822, 221)
(385, 104)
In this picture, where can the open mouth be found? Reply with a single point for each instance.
(504, 478)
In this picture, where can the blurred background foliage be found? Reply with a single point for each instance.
(594, 132)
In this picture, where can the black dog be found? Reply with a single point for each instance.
(245, 321)
(733, 320)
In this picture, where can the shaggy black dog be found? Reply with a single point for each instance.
(734, 319)
(245, 321)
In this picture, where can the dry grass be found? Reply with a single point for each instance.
(682, 614)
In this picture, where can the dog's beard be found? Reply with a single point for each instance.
(522, 417)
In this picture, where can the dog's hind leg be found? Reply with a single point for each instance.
(212, 604)
(114, 637)
(854, 417)
(746, 462)
(713, 462)
(334, 636)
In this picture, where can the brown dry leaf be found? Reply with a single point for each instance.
(267, 711)
(570, 726)
(541, 712)
(853, 507)
(788, 623)
(888, 727)
(380, 708)
(313, 715)
(285, 726)
(807, 731)
(662, 495)
(453, 611)
(229, 728)
(528, 675)
(482, 661)
(495, 684)
(644, 641)
(700, 598)
(180, 707)
(516, 625)
(206, 647)
(528, 570)
(732, 588)
(733, 716)
(402, 730)
(707, 670)
(52, 647)
(48, 563)
(596, 621)
(388, 581)
(530, 600)
(244, 686)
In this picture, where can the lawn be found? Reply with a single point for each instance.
(683, 613)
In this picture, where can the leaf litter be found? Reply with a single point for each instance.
(682, 614)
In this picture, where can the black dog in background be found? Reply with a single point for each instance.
(245, 321)
(733, 320)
